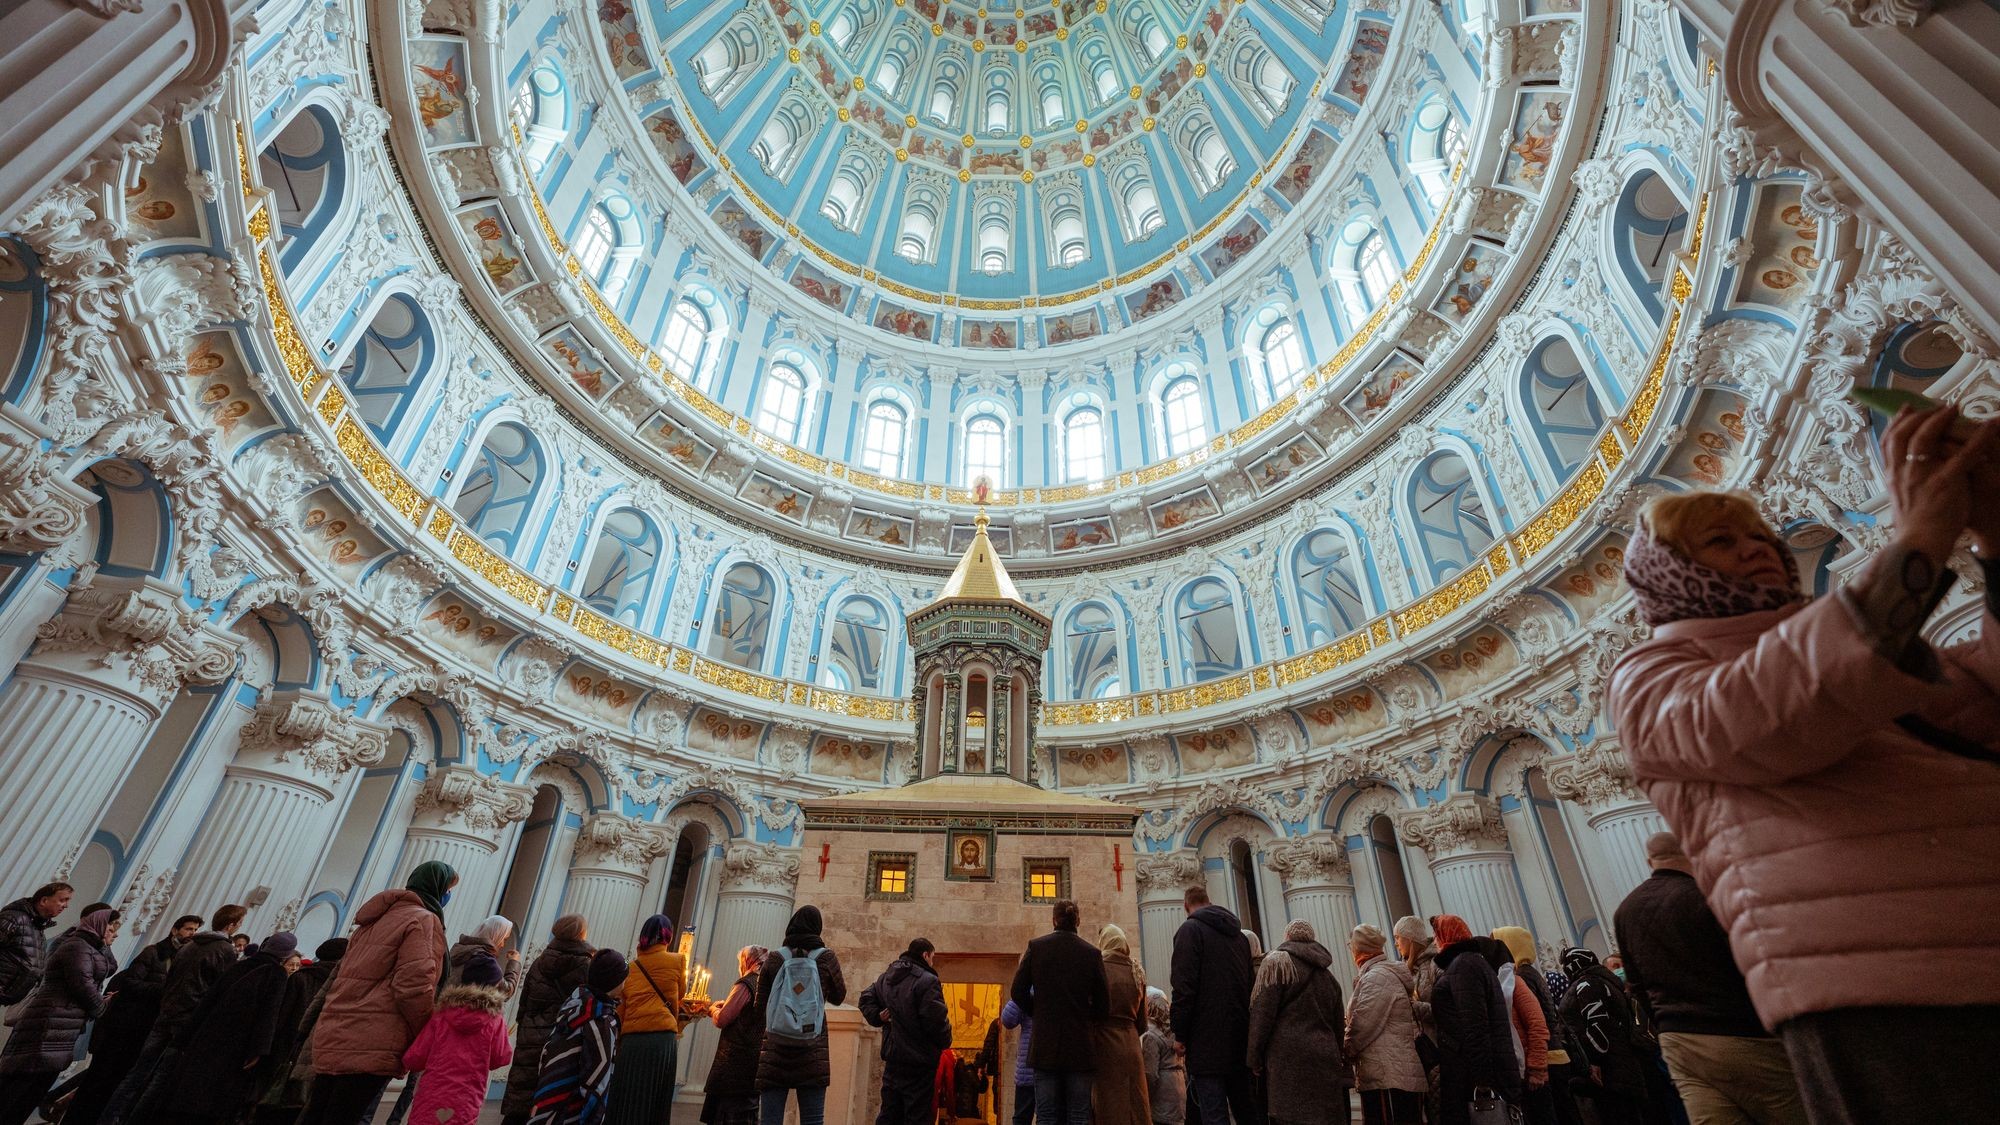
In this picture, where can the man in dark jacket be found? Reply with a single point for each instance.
(1599, 1012)
(117, 1039)
(1211, 1009)
(23, 947)
(231, 1037)
(1475, 1029)
(1060, 984)
(908, 1000)
(1679, 969)
(195, 967)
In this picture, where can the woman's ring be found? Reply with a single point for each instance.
(1918, 457)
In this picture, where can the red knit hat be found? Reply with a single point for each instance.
(1450, 929)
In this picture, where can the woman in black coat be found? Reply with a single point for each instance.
(45, 1033)
(731, 1089)
(558, 971)
(230, 1047)
(284, 1095)
(784, 1065)
(1475, 1029)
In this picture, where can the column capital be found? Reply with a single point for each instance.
(765, 868)
(1597, 777)
(619, 843)
(41, 507)
(461, 800)
(1319, 861)
(138, 627)
(1168, 874)
(308, 734)
(1459, 825)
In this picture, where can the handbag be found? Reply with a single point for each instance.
(1489, 1108)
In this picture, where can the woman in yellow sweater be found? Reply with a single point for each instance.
(642, 1083)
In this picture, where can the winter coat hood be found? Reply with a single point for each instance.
(1312, 953)
(471, 997)
(373, 910)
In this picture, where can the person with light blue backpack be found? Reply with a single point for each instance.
(799, 980)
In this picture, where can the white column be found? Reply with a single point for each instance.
(1162, 880)
(79, 708)
(1897, 101)
(607, 877)
(1319, 890)
(752, 904)
(1597, 780)
(1466, 842)
(280, 801)
(463, 817)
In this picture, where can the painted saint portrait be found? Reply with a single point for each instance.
(969, 853)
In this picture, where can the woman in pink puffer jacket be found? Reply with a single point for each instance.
(1835, 778)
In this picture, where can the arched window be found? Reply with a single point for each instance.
(1048, 96)
(1562, 406)
(739, 627)
(1646, 228)
(923, 207)
(1265, 83)
(1104, 76)
(841, 30)
(1363, 273)
(999, 105)
(1182, 426)
(501, 483)
(541, 109)
(781, 142)
(944, 93)
(1083, 444)
(1437, 143)
(996, 233)
(986, 448)
(1148, 40)
(857, 642)
(685, 342)
(729, 60)
(1210, 637)
(885, 437)
(594, 244)
(1139, 213)
(1209, 159)
(1062, 208)
(782, 404)
(385, 372)
(623, 566)
(1330, 601)
(1090, 641)
(894, 65)
(847, 192)
(1284, 356)
(305, 168)
(1453, 526)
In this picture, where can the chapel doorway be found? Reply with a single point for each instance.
(975, 989)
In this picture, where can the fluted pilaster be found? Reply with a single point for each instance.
(80, 707)
(1466, 843)
(607, 878)
(279, 804)
(1319, 890)
(753, 901)
(462, 817)
(1598, 780)
(1162, 880)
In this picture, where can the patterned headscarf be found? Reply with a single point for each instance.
(1671, 587)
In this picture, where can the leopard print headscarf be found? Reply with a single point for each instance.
(1671, 587)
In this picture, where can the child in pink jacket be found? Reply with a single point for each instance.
(457, 1051)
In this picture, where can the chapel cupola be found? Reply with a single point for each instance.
(978, 651)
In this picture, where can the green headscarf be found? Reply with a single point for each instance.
(431, 880)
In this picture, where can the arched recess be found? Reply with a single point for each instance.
(1328, 587)
(537, 874)
(500, 485)
(24, 319)
(1915, 356)
(744, 607)
(387, 371)
(305, 169)
(857, 650)
(1450, 518)
(132, 526)
(1232, 844)
(727, 63)
(1090, 651)
(1647, 226)
(1560, 402)
(1364, 817)
(541, 109)
(1212, 633)
(627, 568)
(1554, 879)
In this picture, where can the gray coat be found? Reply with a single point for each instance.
(22, 953)
(1382, 1028)
(71, 995)
(1296, 1029)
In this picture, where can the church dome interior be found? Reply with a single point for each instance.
(530, 435)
